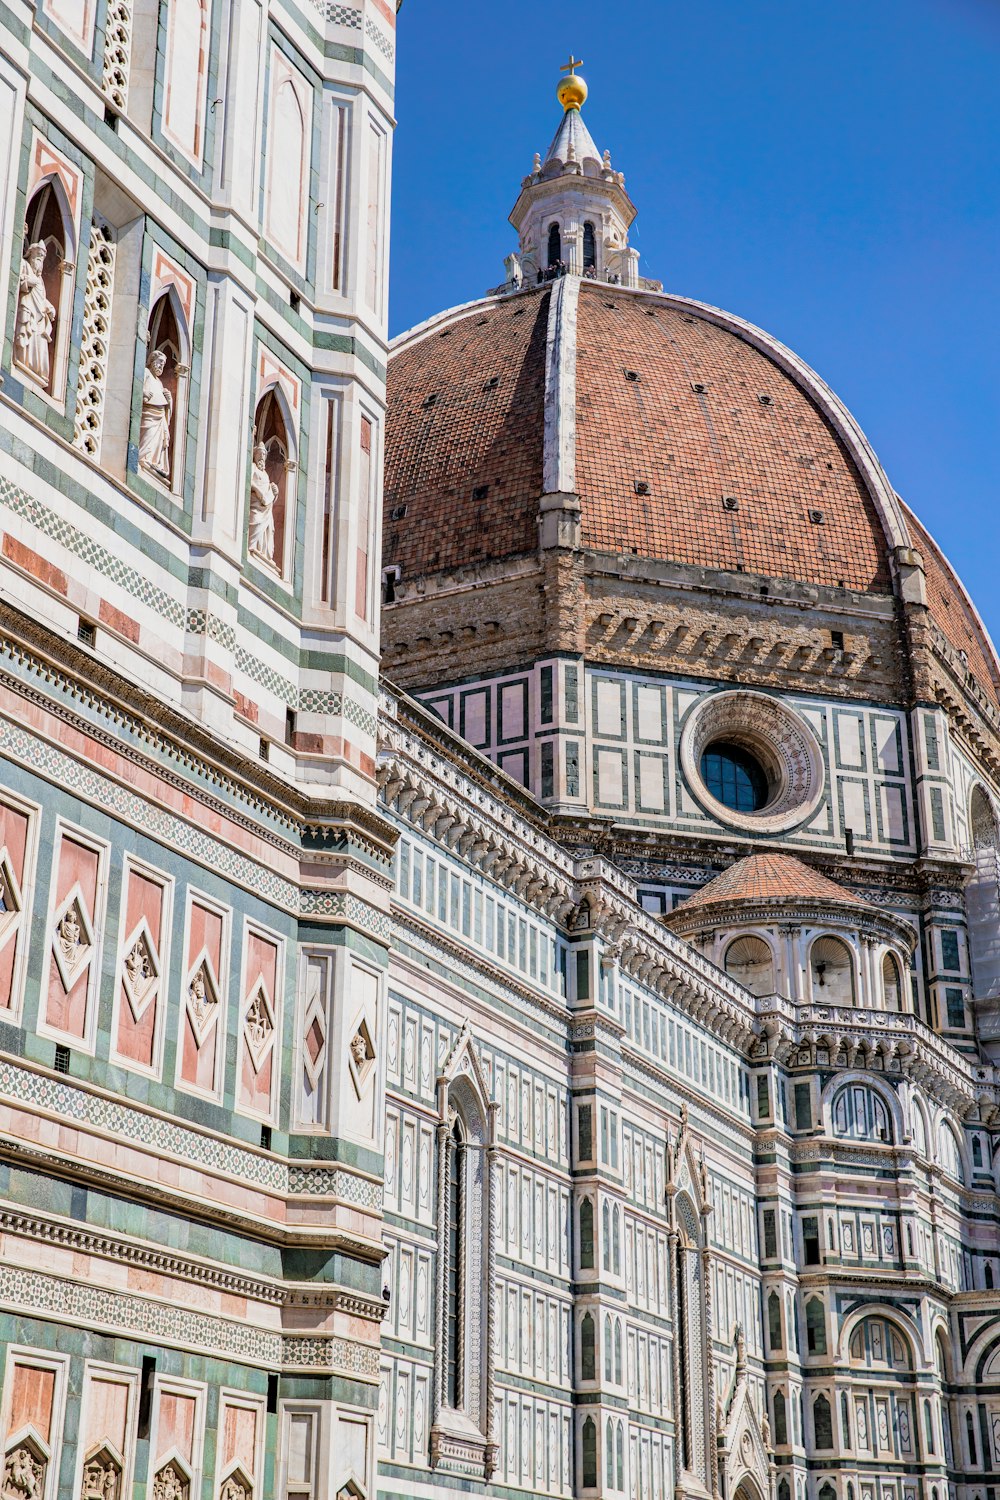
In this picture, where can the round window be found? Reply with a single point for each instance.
(752, 761)
(734, 776)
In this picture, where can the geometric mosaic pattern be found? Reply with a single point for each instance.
(40, 1293)
(67, 1102)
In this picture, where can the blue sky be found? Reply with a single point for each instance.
(831, 172)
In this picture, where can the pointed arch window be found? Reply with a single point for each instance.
(589, 247)
(554, 246)
(815, 1326)
(774, 1320)
(780, 1419)
(822, 1423)
(461, 1433)
(45, 290)
(589, 1454)
(691, 1344)
(586, 1234)
(588, 1363)
(163, 412)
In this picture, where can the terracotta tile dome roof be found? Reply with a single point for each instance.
(693, 427)
(466, 415)
(665, 397)
(954, 614)
(768, 877)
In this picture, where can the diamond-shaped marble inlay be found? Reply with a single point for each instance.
(11, 901)
(258, 1026)
(140, 969)
(202, 998)
(72, 938)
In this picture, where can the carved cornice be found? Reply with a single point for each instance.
(157, 1261)
(839, 1038)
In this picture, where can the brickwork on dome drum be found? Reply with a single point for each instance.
(951, 613)
(466, 417)
(694, 428)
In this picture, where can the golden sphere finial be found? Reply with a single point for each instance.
(572, 91)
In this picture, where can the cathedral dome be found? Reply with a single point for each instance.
(689, 436)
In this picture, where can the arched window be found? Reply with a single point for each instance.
(606, 1235)
(977, 1151)
(780, 1419)
(618, 1351)
(163, 417)
(555, 246)
(609, 1367)
(616, 1240)
(919, 1130)
(588, 1370)
(465, 1206)
(586, 1234)
(748, 959)
(949, 1154)
(860, 1114)
(589, 247)
(45, 290)
(691, 1353)
(983, 897)
(774, 1320)
(454, 1311)
(589, 1447)
(609, 1456)
(832, 971)
(970, 1436)
(815, 1326)
(620, 1456)
(988, 1275)
(928, 1427)
(270, 483)
(845, 1418)
(784, 1493)
(892, 985)
(822, 1423)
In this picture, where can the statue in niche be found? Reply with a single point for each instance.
(263, 495)
(156, 420)
(359, 1049)
(35, 316)
(512, 266)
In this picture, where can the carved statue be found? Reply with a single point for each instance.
(258, 1023)
(156, 421)
(512, 265)
(69, 934)
(23, 1476)
(741, 1348)
(263, 494)
(35, 316)
(359, 1049)
(137, 966)
(234, 1489)
(198, 996)
(170, 1484)
(765, 1430)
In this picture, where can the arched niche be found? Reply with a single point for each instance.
(949, 1151)
(982, 896)
(750, 962)
(892, 983)
(45, 289)
(163, 416)
(553, 246)
(271, 483)
(831, 970)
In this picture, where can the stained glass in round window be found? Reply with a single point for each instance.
(734, 777)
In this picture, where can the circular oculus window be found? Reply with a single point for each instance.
(752, 762)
